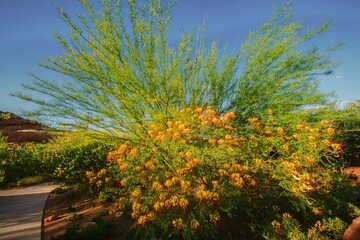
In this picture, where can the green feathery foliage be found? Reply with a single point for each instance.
(122, 72)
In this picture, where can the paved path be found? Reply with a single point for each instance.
(21, 212)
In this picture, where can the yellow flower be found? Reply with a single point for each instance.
(212, 141)
(300, 126)
(319, 226)
(185, 185)
(281, 130)
(312, 138)
(123, 166)
(336, 147)
(123, 182)
(296, 136)
(189, 156)
(168, 183)
(183, 203)
(159, 138)
(286, 147)
(170, 124)
(327, 142)
(159, 205)
(136, 193)
(142, 220)
(134, 152)
(228, 137)
(178, 223)
(157, 186)
(215, 217)
(276, 226)
(150, 165)
(237, 180)
(198, 110)
(228, 117)
(324, 122)
(221, 142)
(194, 224)
(258, 162)
(317, 211)
(330, 131)
(136, 209)
(186, 131)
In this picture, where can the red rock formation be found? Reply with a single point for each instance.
(353, 232)
(19, 130)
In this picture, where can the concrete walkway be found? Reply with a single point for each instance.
(21, 211)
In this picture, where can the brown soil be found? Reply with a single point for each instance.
(355, 173)
(65, 210)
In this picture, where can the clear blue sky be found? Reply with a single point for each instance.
(26, 28)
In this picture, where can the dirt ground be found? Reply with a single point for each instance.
(66, 209)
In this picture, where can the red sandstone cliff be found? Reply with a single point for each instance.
(19, 130)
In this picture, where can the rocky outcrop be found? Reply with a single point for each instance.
(353, 232)
(19, 130)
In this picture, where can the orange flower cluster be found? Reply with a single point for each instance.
(197, 160)
(174, 201)
(174, 130)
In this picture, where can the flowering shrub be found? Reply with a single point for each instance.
(19, 162)
(197, 171)
(3, 155)
(66, 158)
(69, 156)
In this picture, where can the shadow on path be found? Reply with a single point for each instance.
(21, 212)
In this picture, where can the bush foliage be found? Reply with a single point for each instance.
(198, 170)
(64, 159)
(122, 71)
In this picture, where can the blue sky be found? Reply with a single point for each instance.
(26, 28)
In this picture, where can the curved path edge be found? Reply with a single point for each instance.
(21, 211)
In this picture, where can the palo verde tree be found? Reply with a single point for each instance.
(121, 71)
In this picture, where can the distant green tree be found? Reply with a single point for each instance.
(122, 71)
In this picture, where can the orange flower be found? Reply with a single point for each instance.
(237, 180)
(281, 130)
(134, 153)
(157, 186)
(150, 165)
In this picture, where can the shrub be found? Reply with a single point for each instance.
(3, 156)
(69, 156)
(348, 124)
(198, 170)
(21, 162)
(118, 76)
(66, 158)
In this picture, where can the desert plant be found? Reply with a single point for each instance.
(3, 156)
(198, 170)
(122, 76)
(68, 156)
